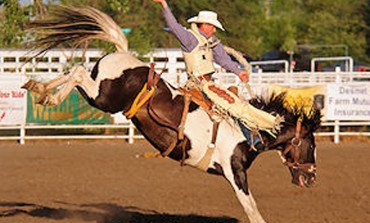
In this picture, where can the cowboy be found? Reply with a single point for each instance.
(200, 48)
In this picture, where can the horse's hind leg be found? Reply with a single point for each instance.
(42, 88)
(78, 76)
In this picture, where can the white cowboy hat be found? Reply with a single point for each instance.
(207, 17)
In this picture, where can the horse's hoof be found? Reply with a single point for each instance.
(28, 85)
(34, 86)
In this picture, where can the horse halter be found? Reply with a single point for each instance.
(295, 144)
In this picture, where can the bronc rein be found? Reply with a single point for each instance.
(295, 145)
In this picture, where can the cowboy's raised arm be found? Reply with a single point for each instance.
(186, 39)
(223, 59)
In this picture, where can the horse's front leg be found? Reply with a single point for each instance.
(245, 198)
(234, 170)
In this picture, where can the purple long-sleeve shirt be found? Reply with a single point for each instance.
(188, 42)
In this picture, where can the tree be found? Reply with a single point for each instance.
(283, 25)
(253, 27)
(12, 26)
(334, 23)
(367, 29)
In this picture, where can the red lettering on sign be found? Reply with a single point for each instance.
(2, 116)
(17, 94)
(4, 94)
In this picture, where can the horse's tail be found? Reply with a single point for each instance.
(75, 26)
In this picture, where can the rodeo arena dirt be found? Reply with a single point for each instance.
(47, 178)
(109, 182)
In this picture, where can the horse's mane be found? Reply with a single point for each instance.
(276, 104)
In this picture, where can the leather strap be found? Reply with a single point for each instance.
(204, 162)
(215, 131)
(170, 148)
(153, 77)
(185, 111)
(180, 134)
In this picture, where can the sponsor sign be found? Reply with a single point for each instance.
(348, 102)
(12, 103)
(73, 110)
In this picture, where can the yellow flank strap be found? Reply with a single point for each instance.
(137, 104)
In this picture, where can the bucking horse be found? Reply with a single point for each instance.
(120, 82)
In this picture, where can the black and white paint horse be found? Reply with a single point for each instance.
(117, 79)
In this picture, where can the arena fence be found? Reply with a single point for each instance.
(13, 68)
(130, 135)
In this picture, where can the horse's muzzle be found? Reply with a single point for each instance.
(302, 178)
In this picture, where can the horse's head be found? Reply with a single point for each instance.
(296, 141)
(298, 151)
(296, 144)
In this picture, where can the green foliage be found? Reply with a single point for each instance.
(325, 27)
(282, 25)
(343, 24)
(11, 27)
(138, 40)
(114, 8)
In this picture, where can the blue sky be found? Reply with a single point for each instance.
(27, 2)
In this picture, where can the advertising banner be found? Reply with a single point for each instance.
(12, 103)
(73, 110)
(348, 102)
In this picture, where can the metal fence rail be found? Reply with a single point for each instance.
(22, 129)
(337, 125)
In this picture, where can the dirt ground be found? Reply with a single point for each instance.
(109, 182)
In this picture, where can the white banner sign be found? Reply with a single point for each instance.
(348, 102)
(13, 106)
